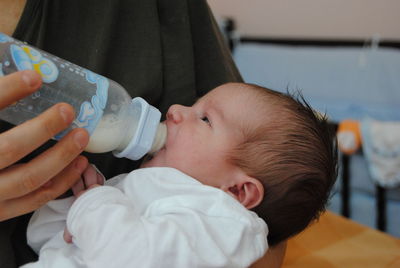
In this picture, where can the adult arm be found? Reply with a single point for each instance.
(26, 187)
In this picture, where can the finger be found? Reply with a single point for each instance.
(100, 179)
(17, 86)
(59, 184)
(77, 187)
(90, 187)
(80, 193)
(90, 176)
(30, 176)
(93, 186)
(14, 143)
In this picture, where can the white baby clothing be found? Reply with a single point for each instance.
(381, 146)
(151, 217)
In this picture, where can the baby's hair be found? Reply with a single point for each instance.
(292, 151)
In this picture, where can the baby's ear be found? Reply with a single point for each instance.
(248, 191)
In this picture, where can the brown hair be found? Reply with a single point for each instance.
(293, 153)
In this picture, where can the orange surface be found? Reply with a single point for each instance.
(335, 241)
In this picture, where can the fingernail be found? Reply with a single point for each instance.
(30, 79)
(81, 139)
(81, 164)
(65, 114)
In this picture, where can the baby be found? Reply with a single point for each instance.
(243, 168)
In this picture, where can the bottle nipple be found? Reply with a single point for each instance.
(149, 135)
(160, 138)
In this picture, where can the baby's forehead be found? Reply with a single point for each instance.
(230, 92)
(235, 98)
(241, 104)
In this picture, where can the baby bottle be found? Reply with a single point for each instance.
(116, 122)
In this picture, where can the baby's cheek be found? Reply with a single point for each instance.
(192, 164)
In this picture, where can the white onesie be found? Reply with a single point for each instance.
(151, 217)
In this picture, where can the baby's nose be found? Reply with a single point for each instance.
(175, 113)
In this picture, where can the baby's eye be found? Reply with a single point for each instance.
(205, 119)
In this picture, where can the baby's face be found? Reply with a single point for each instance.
(200, 136)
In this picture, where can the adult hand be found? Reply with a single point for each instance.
(26, 187)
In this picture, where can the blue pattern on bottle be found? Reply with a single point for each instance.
(5, 38)
(91, 112)
(28, 58)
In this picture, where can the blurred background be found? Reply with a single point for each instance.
(344, 56)
(351, 19)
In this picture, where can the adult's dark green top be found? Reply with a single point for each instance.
(166, 51)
